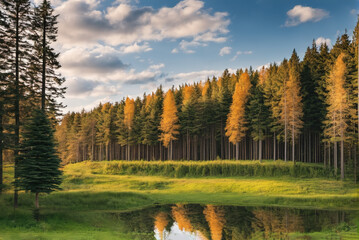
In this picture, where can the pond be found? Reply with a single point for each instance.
(214, 222)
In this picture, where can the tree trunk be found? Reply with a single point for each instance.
(237, 150)
(342, 159)
(285, 142)
(222, 147)
(293, 145)
(16, 103)
(1, 148)
(260, 151)
(335, 158)
(188, 146)
(43, 87)
(37, 206)
(274, 147)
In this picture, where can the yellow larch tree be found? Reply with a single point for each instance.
(169, 122)
(291, 107)
(129, 114)
(295, 106)
(236, 123)
(338, 108)
(216, 220)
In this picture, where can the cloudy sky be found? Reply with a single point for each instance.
(116, 48)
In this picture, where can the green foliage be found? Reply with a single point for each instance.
(216, 168)
(38, 161)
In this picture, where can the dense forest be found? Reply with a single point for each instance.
(300, 110)
(296, 110)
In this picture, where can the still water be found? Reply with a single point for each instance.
(213, 222)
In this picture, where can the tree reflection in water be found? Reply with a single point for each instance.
(211, 222)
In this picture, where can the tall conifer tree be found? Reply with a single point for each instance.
(38, 160)
(236, 121)
(44, 63)
(169, 122)
(337, 100)
(18, 17)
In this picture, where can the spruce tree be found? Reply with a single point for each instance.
(38, 169)
(258, 112)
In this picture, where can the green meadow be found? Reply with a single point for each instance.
(91, 191)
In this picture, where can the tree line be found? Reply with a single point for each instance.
(29, 88)
(298, 110)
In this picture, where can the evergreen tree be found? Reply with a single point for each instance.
(38, 160)
(18, 19)
(44, 63)
(258, 112)
(187, 119)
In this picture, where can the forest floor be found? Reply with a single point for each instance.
(86, 195)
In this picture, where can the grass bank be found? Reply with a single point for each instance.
(90, 192)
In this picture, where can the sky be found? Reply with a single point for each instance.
(110, 49)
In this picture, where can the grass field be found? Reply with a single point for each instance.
(81, 209)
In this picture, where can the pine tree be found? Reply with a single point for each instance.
(38, 160)
(169, 126)
(187, 120)
(4, 87)
(44, 63)
(258, 112)
(337, 100)
(18, 19)
(236, 122)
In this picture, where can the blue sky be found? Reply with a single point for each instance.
(116, 48)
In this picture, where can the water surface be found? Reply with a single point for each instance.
(213, 222)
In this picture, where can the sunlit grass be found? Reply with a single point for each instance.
(81, 209)
(87, 177)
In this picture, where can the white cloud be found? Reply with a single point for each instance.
(263, 66)
(81, 21)
(157, 66)
(175, 50)
(225, 51)
(320, 40)
(135, 48)
(301, 14)
(81, 88)
(54, 3)
(88, 61)
(89, 106)
(241, 53)
(185, 45)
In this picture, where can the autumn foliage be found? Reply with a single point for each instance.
(169, 123)
(236, 122)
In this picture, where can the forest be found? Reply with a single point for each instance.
(257, 153)
(296, 110)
